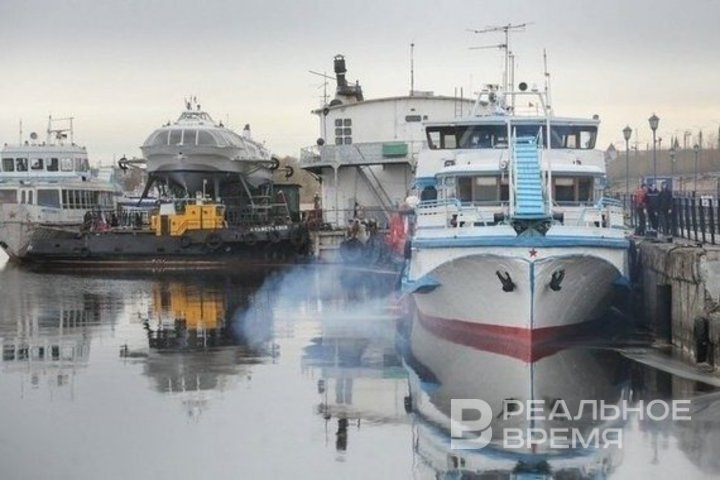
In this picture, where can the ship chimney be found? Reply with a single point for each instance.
(340, 71)
(345, 93)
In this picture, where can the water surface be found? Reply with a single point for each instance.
(307, 373)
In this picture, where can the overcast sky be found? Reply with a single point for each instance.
(122, 68)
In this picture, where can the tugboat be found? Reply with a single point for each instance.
(217, 206)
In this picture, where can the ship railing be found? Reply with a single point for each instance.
(605, 213)
(341, 218)
(452, 213)
(365, 153)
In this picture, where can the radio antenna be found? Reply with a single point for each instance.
(506, 29)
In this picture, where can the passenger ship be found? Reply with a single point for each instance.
(47, 186)
(514, 238)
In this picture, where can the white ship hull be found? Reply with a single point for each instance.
(459, 287)
(20, 224)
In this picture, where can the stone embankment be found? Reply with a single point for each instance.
(681, 297)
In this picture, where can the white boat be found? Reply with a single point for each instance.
(46, 186)
(195, 154)
(514, 238)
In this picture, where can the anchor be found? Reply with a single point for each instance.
(507, 284)
(556, 280)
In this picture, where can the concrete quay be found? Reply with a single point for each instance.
(680, 284)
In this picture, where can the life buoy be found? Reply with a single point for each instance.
(213, 241)
(250, 239)
(185, 241)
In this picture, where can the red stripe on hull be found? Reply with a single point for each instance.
(528, 345)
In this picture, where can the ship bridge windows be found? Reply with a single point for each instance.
(21, 164)
(53, 165)
(189, 137)
(175, 137)
(578, 137)
(8, 164)
(573, 190)
(66, 164)
(205, 138)
(37, 164)
(159, 137)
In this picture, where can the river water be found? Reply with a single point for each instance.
(307, 373)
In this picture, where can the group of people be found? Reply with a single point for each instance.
(653, 207)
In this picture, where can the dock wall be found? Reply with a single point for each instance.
(681, 297)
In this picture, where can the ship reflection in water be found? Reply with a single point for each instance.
(194, 347)
(306, 373)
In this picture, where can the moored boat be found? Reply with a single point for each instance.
(514, 237)
(47, 186)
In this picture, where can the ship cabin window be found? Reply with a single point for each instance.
(82, 165)
(343, 131)
(8, 164)
(48, 198)
(577, 137)
(205, 138)
(66, 164)
(441, 138)
(21, 164)
(37, 164)
(428, 194)
(175, 137)
(8, 196)
(189, 137)
(53, 165)
(572, 190)
(482, 189)
(483, 136)
(158, 138)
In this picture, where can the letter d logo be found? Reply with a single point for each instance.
(469, 434)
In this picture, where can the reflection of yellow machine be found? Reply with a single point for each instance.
(200, 310)
(199, 216)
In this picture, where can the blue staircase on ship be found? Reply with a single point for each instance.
(529, 198)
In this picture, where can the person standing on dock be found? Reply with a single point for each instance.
(640, 198)
(653, 207)
(665, 208)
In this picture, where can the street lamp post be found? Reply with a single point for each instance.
(672, 164)
(696, 149)
(653, 121)
(627, 133)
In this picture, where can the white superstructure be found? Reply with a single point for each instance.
(367, 149)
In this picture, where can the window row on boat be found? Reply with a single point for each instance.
(489, 190)
(449, 137)
(186, 136)
(25, 164)
(68, 199)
